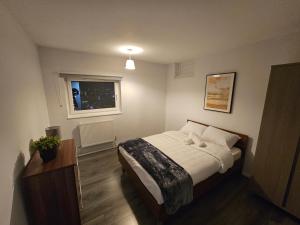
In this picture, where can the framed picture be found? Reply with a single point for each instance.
(219, 92)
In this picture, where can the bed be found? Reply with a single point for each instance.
(202, 168)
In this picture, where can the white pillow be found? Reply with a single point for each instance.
(192, 127)
(220, 137)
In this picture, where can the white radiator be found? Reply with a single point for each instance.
(96, 133)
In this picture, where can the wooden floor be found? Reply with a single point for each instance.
(110, 199)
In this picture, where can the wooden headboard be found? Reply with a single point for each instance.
(241, 144)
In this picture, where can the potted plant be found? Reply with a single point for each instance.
(47, 147)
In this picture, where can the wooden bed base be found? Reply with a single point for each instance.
(199, 189)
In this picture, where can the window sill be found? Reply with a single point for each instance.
(86, 115)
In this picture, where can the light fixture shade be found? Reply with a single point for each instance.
(129, 64)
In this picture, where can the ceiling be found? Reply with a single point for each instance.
(168, 30)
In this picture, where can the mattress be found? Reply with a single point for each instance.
(198, 164)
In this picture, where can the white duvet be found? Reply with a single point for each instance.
(199, 162)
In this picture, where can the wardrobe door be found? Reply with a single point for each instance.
(292, 201)
(279, 132)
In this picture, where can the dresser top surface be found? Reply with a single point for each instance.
(66, 156)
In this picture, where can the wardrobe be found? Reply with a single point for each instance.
(277, 157)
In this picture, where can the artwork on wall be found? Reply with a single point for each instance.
(219, 92)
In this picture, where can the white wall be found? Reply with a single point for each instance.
(143, 91)
(23, 112)
(185, 96)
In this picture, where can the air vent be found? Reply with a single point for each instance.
(184, 69)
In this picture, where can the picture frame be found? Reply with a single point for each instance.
(219, 90)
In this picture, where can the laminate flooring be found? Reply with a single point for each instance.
(110, 199)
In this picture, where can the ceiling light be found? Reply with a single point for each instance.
(133, 50)
(130, 50)
(129, 62)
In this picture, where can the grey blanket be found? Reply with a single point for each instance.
(175, 183)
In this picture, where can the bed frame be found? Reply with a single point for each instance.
(199, 189)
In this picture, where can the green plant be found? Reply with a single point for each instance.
(46, 143)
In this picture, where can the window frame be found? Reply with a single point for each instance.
(72, 113)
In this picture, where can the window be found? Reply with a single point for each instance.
(89, 97)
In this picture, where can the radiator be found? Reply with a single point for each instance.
(96, 133)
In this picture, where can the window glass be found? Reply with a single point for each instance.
(89, 95)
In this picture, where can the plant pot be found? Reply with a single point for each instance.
(49, 154)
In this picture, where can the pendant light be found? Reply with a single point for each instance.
(130, 62)
(130, 50)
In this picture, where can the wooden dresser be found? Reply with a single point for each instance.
(51, 189)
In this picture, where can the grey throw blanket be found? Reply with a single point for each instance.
(175, 183)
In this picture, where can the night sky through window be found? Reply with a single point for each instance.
(88, 95)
